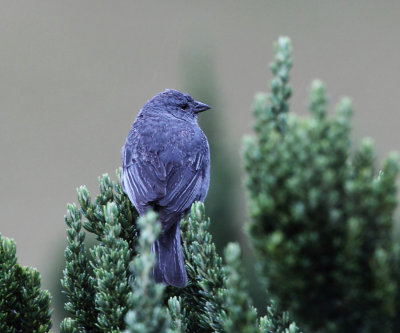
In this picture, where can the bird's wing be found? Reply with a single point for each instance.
(143, 179)
(187, 183)
(170, 186)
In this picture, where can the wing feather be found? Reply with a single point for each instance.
(171, 180)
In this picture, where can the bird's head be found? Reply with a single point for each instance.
(177, 104)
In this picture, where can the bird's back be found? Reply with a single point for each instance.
(167, 161)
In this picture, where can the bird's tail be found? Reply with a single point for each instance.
(170, 266)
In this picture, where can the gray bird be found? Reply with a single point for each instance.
(166, 167)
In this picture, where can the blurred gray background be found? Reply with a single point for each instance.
(73, 75)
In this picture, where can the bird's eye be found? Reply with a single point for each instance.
(185, 106)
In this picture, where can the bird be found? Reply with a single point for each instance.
(166, 168)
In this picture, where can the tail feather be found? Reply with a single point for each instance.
(170, 266)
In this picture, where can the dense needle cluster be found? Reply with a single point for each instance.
(23, 306)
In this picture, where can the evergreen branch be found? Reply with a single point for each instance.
(98, 289)
(69, 325)
(275, 112)
(9, 286)
(78, 279)
(240, 315)
(216, 299)
(110, 191)
(23, 306)
(147, 314)
(178, 314)
(277, 322)
(110, 267)
(202, 299)
(34, 304)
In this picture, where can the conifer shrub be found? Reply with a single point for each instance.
(110, 287)
(321, 213)
(23, 306)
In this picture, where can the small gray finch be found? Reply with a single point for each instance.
(166, 167)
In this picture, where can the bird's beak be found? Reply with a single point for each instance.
(200, 107)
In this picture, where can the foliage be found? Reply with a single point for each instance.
(239, 311)
(147, 314)
(114, 278)
(23, 306)
(216, 298)
(321, 217)
(96, 283)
